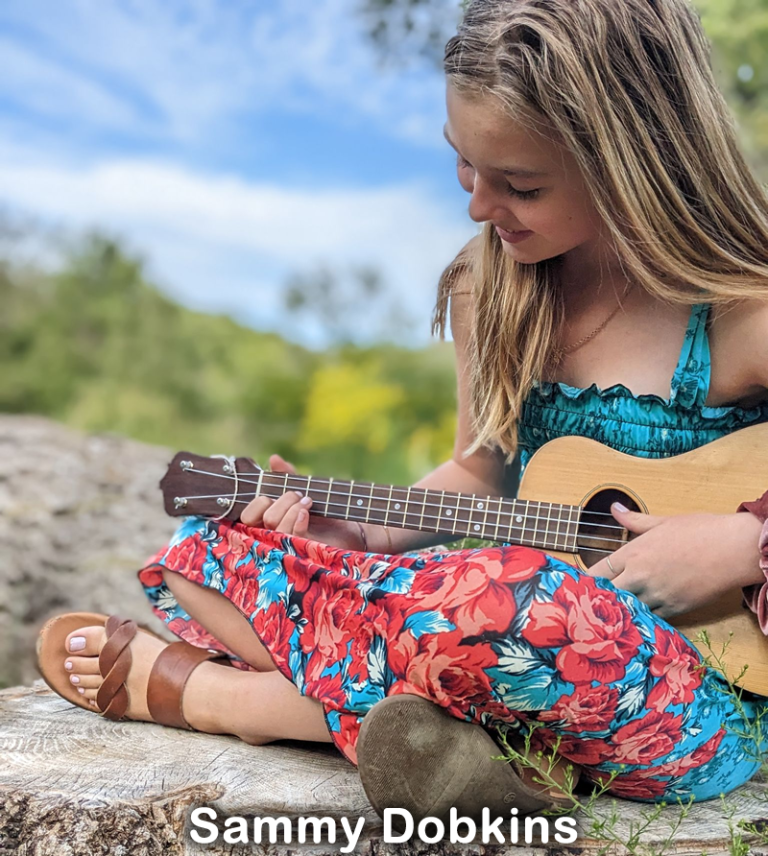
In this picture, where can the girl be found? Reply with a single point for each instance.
(617, 292)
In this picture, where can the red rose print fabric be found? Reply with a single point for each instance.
(506, 637)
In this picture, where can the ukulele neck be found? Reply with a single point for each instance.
(544, 525)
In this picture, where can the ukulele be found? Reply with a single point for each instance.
(563, 508)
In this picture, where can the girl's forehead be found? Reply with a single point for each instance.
(480, 126)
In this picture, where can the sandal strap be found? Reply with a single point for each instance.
(114, 664)
(168, 678)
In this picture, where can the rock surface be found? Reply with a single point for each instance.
(78, 516)
(75, 784)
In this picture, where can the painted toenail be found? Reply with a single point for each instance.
(77, 643)
(80, 690)
(68, 666)
(74, 679)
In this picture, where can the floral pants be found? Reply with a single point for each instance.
(507, 637)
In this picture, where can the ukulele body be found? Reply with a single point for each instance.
(714, 479)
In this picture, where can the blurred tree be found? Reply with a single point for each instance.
(100, 348)
(739, 33)
(348, 308)
(406, 29)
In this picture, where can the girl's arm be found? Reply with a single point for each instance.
(683, 562)
(483, 473)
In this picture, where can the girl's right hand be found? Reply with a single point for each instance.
(290, 514)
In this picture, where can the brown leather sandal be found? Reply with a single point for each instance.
(167, 679)
(412, 754)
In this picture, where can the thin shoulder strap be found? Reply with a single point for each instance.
(690, 382)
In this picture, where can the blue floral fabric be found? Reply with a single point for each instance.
(506, 637)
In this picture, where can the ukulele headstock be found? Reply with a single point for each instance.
(209, 487)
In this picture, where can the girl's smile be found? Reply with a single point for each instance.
(513, 237)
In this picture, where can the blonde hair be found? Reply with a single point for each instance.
(627, 87)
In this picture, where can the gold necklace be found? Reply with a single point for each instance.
(559, 353)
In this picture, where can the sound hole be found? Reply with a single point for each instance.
(599, 531)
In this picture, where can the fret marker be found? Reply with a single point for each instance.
(477, 527)
(479, 504)
(519, 519)
(448, 512)
(397, 506)
(359, 501)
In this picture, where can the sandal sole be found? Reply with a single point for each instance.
(415, 756)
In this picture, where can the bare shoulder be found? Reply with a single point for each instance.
(739, 336)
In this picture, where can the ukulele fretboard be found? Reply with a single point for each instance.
(544, 525)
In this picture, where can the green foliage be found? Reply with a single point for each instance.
(98, 347)
(738, 30)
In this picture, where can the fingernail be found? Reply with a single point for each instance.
(306, 500)
(77, 643)
(298, 493)
(80, 690)
(74, 679)
(68, 666)
(619, 507)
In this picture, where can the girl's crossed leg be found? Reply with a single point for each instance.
(506, 637)
(258, 705)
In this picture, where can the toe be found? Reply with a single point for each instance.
(85, 641)
(90, 693)
(86, 682)
(82, 665)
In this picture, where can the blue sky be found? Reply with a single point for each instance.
(231, 143)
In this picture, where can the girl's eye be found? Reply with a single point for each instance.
(518, 194)
(522, 194)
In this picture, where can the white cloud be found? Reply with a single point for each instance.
(191, 69)
(221, 242)
(183, 77)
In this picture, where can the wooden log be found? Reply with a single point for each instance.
(75, 784)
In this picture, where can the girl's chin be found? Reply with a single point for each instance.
(519, 252)
(525, 254)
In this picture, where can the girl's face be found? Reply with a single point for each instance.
(528, 187)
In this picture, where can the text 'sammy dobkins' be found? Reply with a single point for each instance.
(208, 827)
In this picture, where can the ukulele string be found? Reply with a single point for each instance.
(541, 520)
(370, 498)
(532, 544)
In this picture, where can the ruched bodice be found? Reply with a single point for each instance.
(645, 425)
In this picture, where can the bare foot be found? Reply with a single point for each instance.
(82, 665)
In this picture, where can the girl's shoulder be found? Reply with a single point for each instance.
(738, 337)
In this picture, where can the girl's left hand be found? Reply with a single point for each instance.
(679, 563)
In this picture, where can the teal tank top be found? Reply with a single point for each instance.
(645, 425)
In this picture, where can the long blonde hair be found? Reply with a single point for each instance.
(627, 86)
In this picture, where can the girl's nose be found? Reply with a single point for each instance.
(487, 203)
